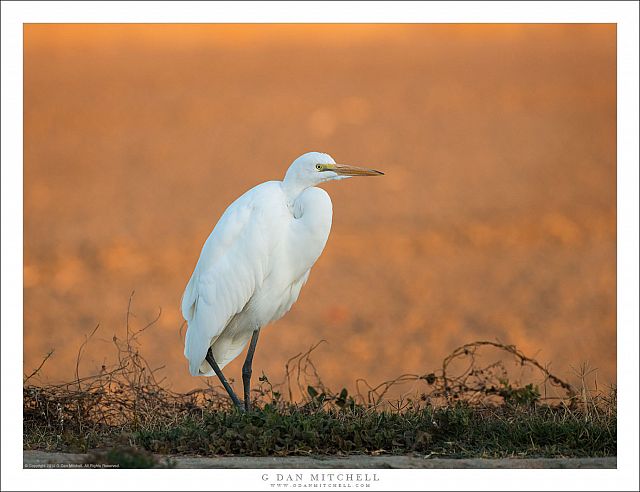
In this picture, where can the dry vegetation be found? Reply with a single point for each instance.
(476, 411)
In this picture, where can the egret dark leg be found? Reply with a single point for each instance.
(246, 370)
(214, 365)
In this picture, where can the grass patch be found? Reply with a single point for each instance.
(465, 409)
(460, 431)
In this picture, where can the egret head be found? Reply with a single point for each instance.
(314, 168)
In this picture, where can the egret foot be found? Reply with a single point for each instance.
(214, 365)
(246, 370)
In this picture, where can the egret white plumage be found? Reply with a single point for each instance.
(254, 263)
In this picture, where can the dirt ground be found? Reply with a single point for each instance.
(496, 217)
(41, 459)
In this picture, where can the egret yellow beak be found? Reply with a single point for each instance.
(344, 170)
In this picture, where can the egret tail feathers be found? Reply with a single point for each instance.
(224, 348)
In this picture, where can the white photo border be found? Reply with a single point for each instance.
(624, 14)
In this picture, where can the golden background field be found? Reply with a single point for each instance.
(496, 218)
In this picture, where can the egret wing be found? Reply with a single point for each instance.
(233, 263)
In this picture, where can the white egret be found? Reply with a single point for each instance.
(254, 263)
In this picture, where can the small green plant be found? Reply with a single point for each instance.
(525, 395)
(127, 457)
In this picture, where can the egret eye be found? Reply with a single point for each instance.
(319, 167)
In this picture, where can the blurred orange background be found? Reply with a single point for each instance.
(496, 217)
